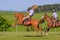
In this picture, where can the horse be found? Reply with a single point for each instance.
(32, 22)
(50, 23)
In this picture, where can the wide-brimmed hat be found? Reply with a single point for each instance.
(35, 7)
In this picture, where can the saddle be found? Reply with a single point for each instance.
(26, 20)
(29, 19)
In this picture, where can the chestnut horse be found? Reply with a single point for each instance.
(31, 22)
(50, 23)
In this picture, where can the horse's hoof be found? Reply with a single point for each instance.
(46, 34)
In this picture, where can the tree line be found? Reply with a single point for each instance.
(47, 8)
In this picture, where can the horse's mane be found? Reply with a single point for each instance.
(47, 15)
(19, 13)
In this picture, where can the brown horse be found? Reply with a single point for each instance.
(50, 23)
(31, 22)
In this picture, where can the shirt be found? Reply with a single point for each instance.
(54, 15)
(31, 12)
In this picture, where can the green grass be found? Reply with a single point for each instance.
(28, 36)
(9, 16)
(21, 33)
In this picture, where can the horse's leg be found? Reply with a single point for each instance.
(40, 29)
(46, 31)
(17, 23)
(37, 29)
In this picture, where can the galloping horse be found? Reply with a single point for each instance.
(32, 22)
(50, 23)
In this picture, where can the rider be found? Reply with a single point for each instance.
(30, 13)
(55, 16)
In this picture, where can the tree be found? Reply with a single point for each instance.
(4, 24)
(47, 8)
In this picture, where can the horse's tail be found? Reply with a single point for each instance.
(41, 21)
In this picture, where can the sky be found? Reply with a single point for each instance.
(20, 5)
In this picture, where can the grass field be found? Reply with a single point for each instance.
(9, 16)
(28, 36)
(21, 34)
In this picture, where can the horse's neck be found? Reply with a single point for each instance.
(49, 19)
(21, 16)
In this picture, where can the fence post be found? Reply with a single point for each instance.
(16, 28)
(55, 29)
(43, 25)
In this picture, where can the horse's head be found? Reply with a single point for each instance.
(19, 15)
(44, 16)
(16, 15)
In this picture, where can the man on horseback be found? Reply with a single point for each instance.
(30, 13)
(55, 16)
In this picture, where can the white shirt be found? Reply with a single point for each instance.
(31, 12)
(54, 15)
